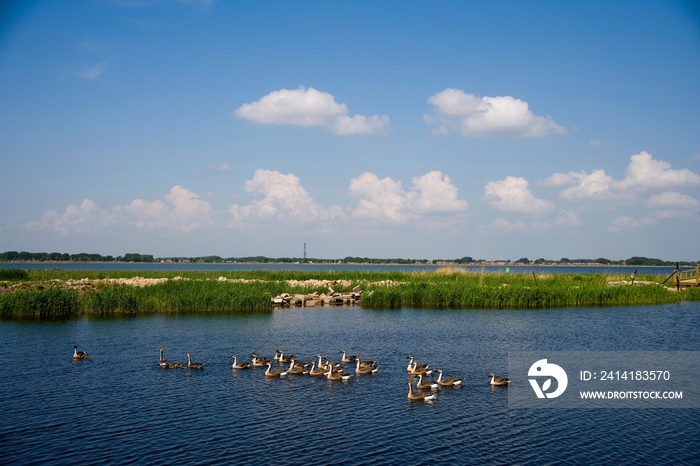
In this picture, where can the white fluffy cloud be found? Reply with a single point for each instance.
(513, 195)
(284, 199)
(309, 107)
(673, 200)
(385, 201)
(672, 205)
(84, 218)
(581, 185)
(643, 172)
(453, 109)
(188, 211)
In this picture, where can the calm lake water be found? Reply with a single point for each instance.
(118, 407)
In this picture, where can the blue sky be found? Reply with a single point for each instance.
(495, 130)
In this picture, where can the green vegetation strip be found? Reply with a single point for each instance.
(47, 292)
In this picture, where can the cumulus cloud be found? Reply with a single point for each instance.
(643, 172)
(435, 194)
(581, 185)
(513, 195)
(284, 199)
(148, 215)
(672, 205)
(385, 201)
(453, 109)
(84, 218)
(382, 200)
(188, 212)
(309, 107)
(671, 199)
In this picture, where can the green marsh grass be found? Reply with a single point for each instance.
(13, 274)
(41, 295)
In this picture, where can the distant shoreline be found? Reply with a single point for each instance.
(392, 264)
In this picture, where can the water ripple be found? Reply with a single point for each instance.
(118, 407)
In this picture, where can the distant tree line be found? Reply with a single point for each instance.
(25, 256)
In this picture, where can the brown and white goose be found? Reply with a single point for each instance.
(240, 365)
(193, 365)
(416, 370)
(162, 362)
(427, 385)
(258, 361)
(448, 381)
(297, 369)
(499, 380)
(337, 375)
(321, 365)
(418, 396)
(79, 354)
(280, 357)
(317, 372)
(414, 365)
(366, 369)
(331, 364)
(346, 358)
(275, 373)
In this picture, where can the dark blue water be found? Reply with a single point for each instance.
(118, 407)
(338, 267)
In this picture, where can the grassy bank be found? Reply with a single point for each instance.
(44, 293)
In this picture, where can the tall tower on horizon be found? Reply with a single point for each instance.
(305, 250)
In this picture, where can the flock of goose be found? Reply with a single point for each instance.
(333, 371)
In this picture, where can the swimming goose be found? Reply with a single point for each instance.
(276, 373)
(337, 375)
(412, 363)
(258, 362)
(416, 370)
(281, 357)
(298, 369)
(448, 381)
(499, 380)
(175, 365)
(162, 362)
(242, 365)
(317, 372)
(419, 396)
(193, 365)
(79, 354)
(276, 357)
(331, 364)
(368, 369)
(321, 365)
(347, 358)
(427, 385)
